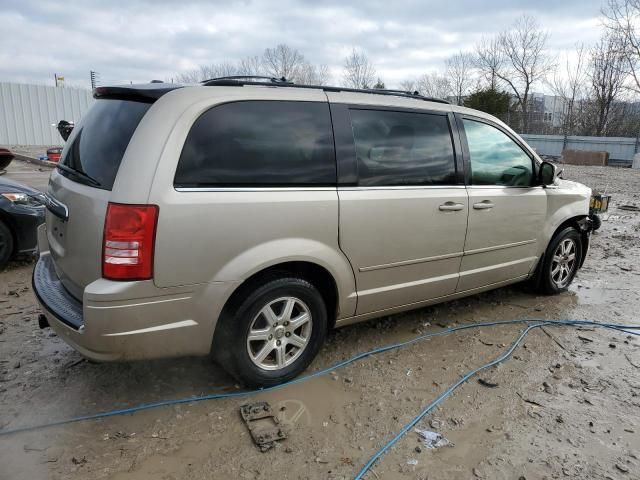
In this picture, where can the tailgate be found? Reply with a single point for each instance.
(80, 189)
(75, 244)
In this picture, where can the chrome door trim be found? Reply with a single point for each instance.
(489, 187)
(255, 189)
(411, 262)
(401, 187)
(500, 247)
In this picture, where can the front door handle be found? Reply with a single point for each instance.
(450, 207)
(483, 205)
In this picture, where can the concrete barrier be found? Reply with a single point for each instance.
(583, 157)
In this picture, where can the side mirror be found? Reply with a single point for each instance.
(548, 174)
(64, 128)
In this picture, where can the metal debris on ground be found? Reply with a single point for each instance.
(487, 383)
(263, 425)
(629, 208)
(432, 439)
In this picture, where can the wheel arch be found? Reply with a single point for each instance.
(576, 222)
(581, 224)
(319, 276)
(307, 258)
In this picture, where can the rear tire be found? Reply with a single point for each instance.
(272, 334)
(6, 245)
(561, 262)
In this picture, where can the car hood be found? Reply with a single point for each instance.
(10, 186)
(574, 187)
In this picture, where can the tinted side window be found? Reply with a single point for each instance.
(97, 144)
(495, 158)
(259, 143)
(402, 148)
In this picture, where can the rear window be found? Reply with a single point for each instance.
(259, 143)
(97, 144)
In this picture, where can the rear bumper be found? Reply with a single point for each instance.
(119, 321)
(52, 295)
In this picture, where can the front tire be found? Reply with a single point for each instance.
(6, 245)
(561, 261)
(272, 334)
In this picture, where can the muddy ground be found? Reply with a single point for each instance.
(566, 405)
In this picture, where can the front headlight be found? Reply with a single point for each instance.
(20, 198)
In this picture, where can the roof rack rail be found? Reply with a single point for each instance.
(237, 80)
(415, 93)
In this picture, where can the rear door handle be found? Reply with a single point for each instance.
(484, 205)
(450, 207)
(56, 207)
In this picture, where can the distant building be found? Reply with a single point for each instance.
(552, 109)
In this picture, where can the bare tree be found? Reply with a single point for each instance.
(216, 70)
(359, 72)
(191, 76)
(607, 75)
(311, 75)
(408, 85)
(251, 65)
(434, 85)
(205, 72)
(280, 61)
(525, 61)
(459, 69)
(283, 61)
(623, 19)
(569, 83)
(489, 60)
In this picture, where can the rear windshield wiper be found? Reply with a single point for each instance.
(79, 174)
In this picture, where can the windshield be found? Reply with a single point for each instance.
(97, 144)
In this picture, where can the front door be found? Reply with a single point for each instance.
(403, 225)
(506, 210)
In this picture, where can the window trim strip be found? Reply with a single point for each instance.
(254, 189)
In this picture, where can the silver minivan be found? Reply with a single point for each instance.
(246, 217)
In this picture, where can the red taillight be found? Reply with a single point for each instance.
(129, 238)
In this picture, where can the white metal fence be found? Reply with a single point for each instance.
(621, 149)
(27, 112)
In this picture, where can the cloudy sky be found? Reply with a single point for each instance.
(129, 40)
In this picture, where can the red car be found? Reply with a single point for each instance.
(53, 154)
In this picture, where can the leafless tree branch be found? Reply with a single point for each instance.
(459, 69)
(359, 72)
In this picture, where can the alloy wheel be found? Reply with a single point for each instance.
(564, 262)
(279, 333)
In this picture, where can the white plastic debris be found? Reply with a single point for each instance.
(412, 461)
(432, 439)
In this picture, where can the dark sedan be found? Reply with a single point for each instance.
(21, 212)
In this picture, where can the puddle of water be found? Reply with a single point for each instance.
(310, 403)
(595, 295)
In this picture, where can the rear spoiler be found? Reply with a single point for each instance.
(147, 92)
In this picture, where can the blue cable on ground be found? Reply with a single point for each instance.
(467, 376)
(386, 348)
